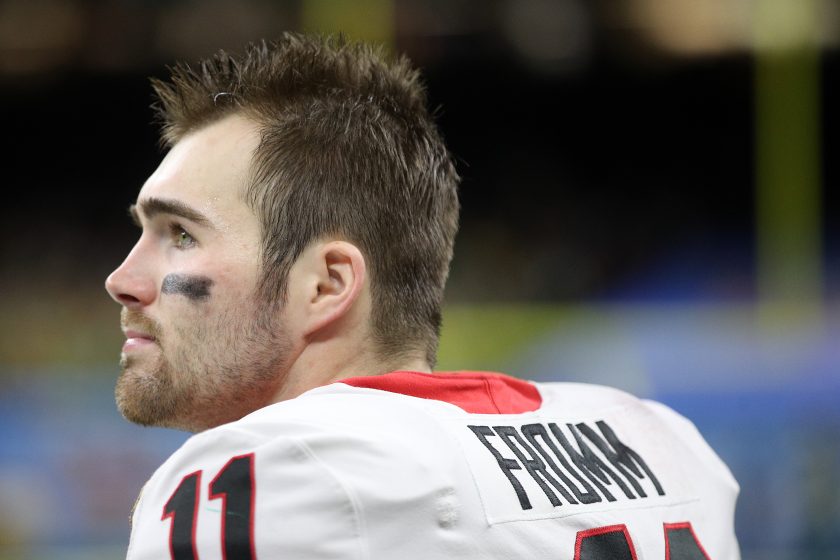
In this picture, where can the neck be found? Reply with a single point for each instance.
(320, 364)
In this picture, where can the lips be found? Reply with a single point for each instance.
(135, 340)
(129, 333)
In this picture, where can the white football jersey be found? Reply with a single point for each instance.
(458, 465)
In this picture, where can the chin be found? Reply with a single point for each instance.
(146, 397)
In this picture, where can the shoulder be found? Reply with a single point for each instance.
(334, 429)
(584, 398)
(651, 417)
(685, 430)
(583, 395)
(308, 473)
(234, 486)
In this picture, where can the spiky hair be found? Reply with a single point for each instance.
(347, 148)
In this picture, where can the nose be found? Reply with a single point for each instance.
(132, 283)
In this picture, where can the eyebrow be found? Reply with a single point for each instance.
(151, 207)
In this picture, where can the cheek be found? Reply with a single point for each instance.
(208, 298)
(193, 287)
(235, 282)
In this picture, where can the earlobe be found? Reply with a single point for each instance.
(340, 275)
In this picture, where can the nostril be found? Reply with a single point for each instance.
(127, 299)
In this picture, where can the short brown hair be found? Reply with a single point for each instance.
(348, 148)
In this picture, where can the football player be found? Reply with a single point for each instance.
(283, 303)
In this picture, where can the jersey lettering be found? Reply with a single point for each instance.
(580, 473)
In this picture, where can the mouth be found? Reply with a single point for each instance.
(135, 340)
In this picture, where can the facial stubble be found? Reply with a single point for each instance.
(207, 369)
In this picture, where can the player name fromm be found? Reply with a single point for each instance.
(546, 453)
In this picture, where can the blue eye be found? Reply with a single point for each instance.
(181, 237)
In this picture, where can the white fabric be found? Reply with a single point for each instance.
(352, 473)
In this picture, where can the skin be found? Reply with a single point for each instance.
(202, 349)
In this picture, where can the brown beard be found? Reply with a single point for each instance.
(193, 385)
(148, 398)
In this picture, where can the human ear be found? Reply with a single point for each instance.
(336, 278)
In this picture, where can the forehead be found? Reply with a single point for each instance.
(208, 168)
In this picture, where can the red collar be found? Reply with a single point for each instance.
(476, 392)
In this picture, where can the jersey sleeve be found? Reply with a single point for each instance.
(231, 493)
(720, 490)
(686, 431)
(342, 473)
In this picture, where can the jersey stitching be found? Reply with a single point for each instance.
(539, 416)
(462, 459)
(557, 514)
(489, 388)
(255, 443)
(351, 496)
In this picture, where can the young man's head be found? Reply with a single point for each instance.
(307, 198)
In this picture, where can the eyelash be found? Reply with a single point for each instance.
(176, 230)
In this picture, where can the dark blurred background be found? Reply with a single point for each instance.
(649, 201)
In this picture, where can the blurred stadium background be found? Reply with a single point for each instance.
(650, 201)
